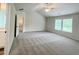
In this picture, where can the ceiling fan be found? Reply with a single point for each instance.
(47, 7)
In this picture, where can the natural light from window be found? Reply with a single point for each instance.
(58, 24)
(64, 25)
(2, 15)
(67, 25)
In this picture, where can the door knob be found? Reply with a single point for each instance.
(5, 31)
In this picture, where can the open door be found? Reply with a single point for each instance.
(7, 29)
(10, 24)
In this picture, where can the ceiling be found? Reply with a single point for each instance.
(59, 8)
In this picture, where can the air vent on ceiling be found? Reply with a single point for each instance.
(21, 9)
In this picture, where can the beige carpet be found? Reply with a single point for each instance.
(43, 43)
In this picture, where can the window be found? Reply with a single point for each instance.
(64, 25)
(2, 19)
(58, 24)
(67, 25)
(2, 16)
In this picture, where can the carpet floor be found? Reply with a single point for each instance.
(43, 43)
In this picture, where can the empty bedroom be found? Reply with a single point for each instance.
(42, 29)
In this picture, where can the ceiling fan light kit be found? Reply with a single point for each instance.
(47, 10)
(48, 7)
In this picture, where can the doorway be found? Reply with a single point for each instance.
(19, 23)
(15, 29)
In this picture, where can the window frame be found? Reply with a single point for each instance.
(62, 24)
(71, 25)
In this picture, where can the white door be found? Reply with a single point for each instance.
(7, 27)
(10, 22)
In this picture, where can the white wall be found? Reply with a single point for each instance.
(9, 27)
(50, 26)
(34, 22)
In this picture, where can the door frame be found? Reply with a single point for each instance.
(15, 29)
